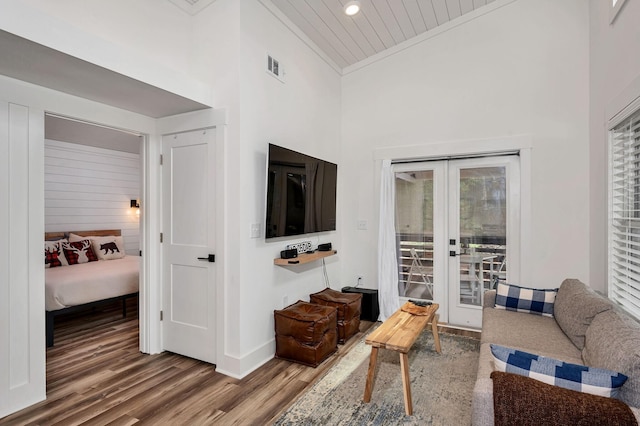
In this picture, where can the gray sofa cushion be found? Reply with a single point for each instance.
(575, 307)
(528, 332)
(613, 341)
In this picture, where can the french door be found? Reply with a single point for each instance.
(457, 228)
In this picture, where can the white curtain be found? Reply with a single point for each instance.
(387, 261)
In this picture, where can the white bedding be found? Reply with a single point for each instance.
(87, 282)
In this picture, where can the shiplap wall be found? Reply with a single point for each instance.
(91, 188)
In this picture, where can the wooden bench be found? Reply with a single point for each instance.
(398, 333)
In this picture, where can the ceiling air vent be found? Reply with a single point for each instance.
(274, 68)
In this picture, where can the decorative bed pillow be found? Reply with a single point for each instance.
(53, 255)
(596, 381)
(75, 237)
(108, 248)
(523, 299)
(79, 252)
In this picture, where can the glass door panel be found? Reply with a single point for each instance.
(414, 230)
(483, 227)
(483, 230)
(420, 231)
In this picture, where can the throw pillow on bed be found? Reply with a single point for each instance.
(596, 381)
(75, 237)
(53, 255)
(79, 252)
(522, 299)
(108, 248)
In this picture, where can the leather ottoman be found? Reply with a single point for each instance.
(306, 333)
(348, 305)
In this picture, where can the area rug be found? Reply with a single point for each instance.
(441, 387)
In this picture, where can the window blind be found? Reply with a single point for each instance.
(624, 217)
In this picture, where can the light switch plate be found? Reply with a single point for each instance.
(254, 230)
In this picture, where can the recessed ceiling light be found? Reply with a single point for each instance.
(352, 8)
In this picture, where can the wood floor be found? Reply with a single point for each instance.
(97, 376)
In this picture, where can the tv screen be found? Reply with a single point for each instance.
(301, 193)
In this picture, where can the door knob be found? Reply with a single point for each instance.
(210, 258)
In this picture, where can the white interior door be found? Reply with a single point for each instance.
(484, 232)
(188, 247)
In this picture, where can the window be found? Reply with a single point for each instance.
(624, 216)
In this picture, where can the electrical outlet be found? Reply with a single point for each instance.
(362, 225)
(359, 280)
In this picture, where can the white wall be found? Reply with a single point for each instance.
(157, 30)
(301, 114)
(521, 69)
(614, 72)
(88, 188)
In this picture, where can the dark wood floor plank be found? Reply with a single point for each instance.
(159, 398)
(255, 382)
(259, 409)
(96, 402)
(187, 403)
(124, 420)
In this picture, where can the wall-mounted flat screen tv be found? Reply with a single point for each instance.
(301, 193)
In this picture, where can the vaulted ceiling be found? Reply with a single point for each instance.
(379, 26)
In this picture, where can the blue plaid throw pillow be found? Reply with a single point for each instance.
(596, 381)
(523, 299)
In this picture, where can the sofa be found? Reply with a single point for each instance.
(585, 328)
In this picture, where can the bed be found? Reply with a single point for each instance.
(76, 280)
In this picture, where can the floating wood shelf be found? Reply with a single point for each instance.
(304, 258)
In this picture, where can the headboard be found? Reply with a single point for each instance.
(52, 236)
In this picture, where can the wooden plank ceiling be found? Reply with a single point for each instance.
(380, 25)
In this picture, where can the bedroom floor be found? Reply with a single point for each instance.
(97, 376)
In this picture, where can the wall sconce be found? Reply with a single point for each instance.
(135, 204)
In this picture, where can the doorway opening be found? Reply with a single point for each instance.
(94, 181)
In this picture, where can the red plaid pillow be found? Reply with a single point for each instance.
(79, 252)
(51, 254)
